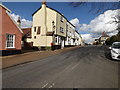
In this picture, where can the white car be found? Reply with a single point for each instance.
(115, 50)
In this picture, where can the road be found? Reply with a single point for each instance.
(84, 67)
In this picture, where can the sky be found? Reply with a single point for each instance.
(89, 24)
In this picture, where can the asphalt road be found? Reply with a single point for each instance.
(85, 67)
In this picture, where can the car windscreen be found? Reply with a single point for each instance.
(116, 45)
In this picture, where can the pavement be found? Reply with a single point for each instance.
(13, 60)
(82, 67)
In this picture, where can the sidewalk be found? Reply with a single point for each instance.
(13, 60)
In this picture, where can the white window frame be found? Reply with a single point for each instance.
(13, 45)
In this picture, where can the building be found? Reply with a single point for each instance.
(78, 39)
(103, 38)
(51, 29)
(70, 29)
(11, 34)
(26, 35)
(96, 41)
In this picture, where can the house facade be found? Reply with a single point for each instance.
(10, 34)
(103, 38)
(26, 35)
(51, 28)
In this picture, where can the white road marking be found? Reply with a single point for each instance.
(75, 66)
(52, 85)
(45, 85)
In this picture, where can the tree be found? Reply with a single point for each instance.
(118, 36)
(115, 38)
(98, 7)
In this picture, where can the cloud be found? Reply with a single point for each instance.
(87, 38)
(104, 22)
(24, 23)
(75, 22)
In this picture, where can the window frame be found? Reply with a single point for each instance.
(38, 30)
(13, 42)
(34, 37)
(35, 29)
(61, 29)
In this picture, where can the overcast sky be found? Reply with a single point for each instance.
(89, 24)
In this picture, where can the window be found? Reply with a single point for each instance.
(59, 40)
(34, 37)
(70, 34)
(61, 19)
(28, 35)
(34, 29)
(10, 40)
(66, 27)
(56, 39)
(61, 30)
(38, 31)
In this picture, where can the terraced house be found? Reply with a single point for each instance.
(51, 28)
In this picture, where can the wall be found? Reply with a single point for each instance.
(9, 27)
(38, 20)
(61, 24)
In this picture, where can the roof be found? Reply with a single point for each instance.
(14, 22)
(104, 35)
(26, 31)
(5, 7)
(50, 33)
(55, 11)
(8, 13)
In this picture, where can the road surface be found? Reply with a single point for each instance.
(84, 67)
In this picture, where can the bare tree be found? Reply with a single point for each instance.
(97, 7)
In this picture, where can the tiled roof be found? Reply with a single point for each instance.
(55, 11)
(26, 31)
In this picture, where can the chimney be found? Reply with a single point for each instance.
(44, 2)
(19, 22)
(44, 17)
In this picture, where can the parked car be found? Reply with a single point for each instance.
(115, 50)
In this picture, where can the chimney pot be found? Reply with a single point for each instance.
(19, 22)
(44, 2)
